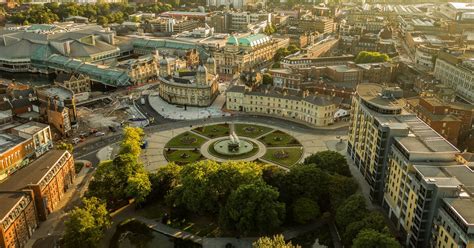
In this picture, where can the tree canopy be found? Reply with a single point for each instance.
(253, 207)
(277, 241)
(86, 225)
(124, 176)
(369, 238)
(305, 210)
(330, 161)
(371, 57)
(205, 185)
(65, 146)
(353, 209)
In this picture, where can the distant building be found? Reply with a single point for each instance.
(77, 83)
(248, 52)
(237, 4)
(143, 69)
(58, 106)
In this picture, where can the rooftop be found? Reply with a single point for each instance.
(9, 200)
(33, 173)
(31, 127)
(8, 141)
(463, 207)
(60, 92)
(379, 95)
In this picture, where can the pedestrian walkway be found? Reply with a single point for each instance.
(175, 112)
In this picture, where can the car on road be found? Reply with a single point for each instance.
(98, 134)
(76, 141)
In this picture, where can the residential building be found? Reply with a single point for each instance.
(77, 83)
(452, 120)
(48, 178)
(457, 11)
(237, 4)
(190, 88)
(39, 133)
(308, 62)
(312, 110)
(170, 25)
(370, 132)
(322, 25)
(18, 218)
(456, 70)
(190, 15)
(15, 152)
(58, 105)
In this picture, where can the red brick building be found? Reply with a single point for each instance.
(48, 178)
(452, 120)
(15, 152)
(18, 218)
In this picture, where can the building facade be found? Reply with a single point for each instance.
(246, 53)
(15, 153)
(312, 110)
(190, 88)
(38, 132)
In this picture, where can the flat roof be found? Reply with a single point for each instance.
(32, 173)
(422, 138)
(372, 93)
(8, 141)
(57, 91)
(9, 200)
(31, 127)
(463, 207)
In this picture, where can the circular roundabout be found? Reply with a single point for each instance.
(234, 142)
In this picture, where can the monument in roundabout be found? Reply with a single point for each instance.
(233, 145)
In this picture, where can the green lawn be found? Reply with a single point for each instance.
(182, 156)
(279, 139)
(213, 131)
(252, 131)
(246, 155)
(294, 155)
(186, 140)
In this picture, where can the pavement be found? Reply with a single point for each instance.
(52, 229)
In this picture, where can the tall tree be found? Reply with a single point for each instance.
(86, 225)
(253, 207)
(374, 221)
(330, 161)
(277, 241)
(353, 209)
(305, 210)
(65, 146)
(369, 238)
(163, 180)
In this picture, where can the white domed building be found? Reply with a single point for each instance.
(191, 87)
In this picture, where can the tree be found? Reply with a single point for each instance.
(267, 79)
(102, 20)
(293, 49)
(86, 225)
(371, 57)
(340, 188)
(164, 180)
(304, 181)
(277, 241)
(369, 238)
(269, 29)
(65, 146)
(253, 207)
(353, 209)
(305, 210)
(206, 185)
(330, 161)
(374, 221)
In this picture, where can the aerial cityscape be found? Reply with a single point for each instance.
(236, 123)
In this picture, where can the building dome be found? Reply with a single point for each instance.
(201, 69)
(163, 61)
(211, 60)
(232, 41)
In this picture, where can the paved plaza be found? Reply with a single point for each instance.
(153, 157)
(175, 112)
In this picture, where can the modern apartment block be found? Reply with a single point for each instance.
(372, 126)
(417, 176)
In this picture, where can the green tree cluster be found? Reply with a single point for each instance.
(277, 241)
(102, 13)
(283, 52)
(86, 225)
(371, 57)
(267, 79)
(269, 29)
(361, 227)
(123, 177)
(65, 146)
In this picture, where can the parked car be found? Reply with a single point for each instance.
(76, 141)
(98, 134)
(92, 131)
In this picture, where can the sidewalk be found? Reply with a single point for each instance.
(54, 225)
